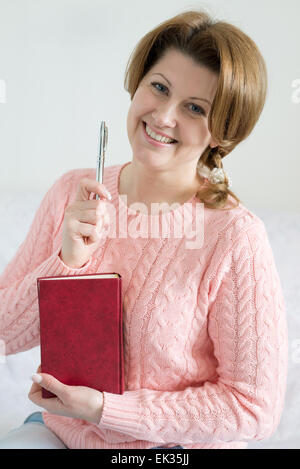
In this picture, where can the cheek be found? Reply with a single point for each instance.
(205, 132)
(142, 103)
(134, 116)
(197, 135)
(131, 118)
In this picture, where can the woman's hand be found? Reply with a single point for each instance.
(78, 402)
(84, 224)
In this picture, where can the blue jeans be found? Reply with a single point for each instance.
(38, 417)
(32, 434)
(35, 417)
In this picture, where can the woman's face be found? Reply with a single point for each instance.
(174, 98)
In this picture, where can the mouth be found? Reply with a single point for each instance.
(160, 142)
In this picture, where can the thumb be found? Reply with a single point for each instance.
(50, 383)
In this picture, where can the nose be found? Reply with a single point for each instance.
(165, 116)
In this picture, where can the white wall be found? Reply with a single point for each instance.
(63, 62)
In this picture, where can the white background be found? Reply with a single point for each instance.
(63, 62)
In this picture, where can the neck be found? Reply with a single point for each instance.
(148, 186)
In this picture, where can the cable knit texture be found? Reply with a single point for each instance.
(205, 334)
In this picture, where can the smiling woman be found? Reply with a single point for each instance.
(228, 60)
(205, 334)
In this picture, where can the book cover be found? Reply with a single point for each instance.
(81, 330)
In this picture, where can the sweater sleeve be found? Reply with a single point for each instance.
(247, 325)
(19, 318)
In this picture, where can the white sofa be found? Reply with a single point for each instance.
(16, 214)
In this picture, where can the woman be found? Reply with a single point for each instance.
(204, 323)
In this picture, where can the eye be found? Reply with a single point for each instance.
(199, 111)
(155, 85)
(161, 88)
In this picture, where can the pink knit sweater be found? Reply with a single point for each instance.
(205, 334)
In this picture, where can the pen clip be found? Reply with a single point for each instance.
(103, 138)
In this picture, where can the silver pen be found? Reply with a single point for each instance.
(101, 156)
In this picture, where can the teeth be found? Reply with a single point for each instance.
(159, 138)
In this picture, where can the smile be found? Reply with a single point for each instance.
(157, 137)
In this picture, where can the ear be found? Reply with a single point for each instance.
(213, 144)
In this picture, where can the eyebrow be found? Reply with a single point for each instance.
(192, 97)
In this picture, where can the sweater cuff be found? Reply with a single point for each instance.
(82, 269)
(121, 412)
(54, 266)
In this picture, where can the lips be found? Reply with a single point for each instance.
(160, 133)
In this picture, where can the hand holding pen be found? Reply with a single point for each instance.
(86, 220)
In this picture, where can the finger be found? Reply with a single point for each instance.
(86, 216)
(35, 386)
(92, 216)
(88, 186)
(88, 204)
(85, 213)
(35, 394)
(86, 230)
(103, 225)
(102, 207)
(50, 383)
(52, 404)
(34, 389)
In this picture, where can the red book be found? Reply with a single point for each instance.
(81, 333)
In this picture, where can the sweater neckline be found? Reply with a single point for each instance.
(178, 211)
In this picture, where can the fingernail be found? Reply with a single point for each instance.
(36, 378)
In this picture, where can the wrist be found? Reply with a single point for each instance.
(69, 264)
(98, 408)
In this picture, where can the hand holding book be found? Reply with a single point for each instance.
(78, 402)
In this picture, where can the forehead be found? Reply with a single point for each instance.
(184, 73)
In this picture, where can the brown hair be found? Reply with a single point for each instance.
(242, 86)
